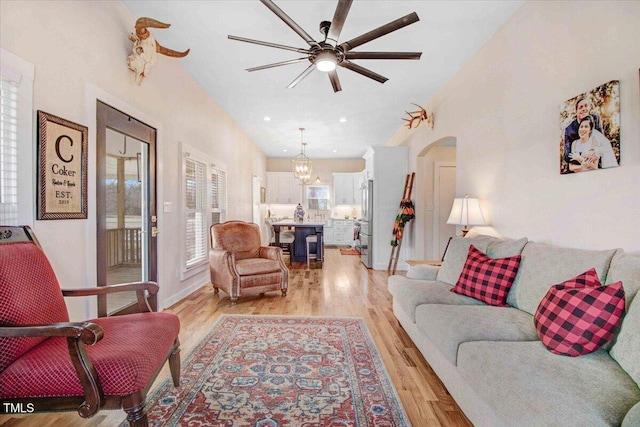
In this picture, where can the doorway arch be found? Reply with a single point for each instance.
(441, 151)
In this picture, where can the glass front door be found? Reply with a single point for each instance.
(126, 206)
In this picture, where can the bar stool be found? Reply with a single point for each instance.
(287, 239)
(311, 238)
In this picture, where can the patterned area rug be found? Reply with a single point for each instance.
(349, 251)
(281, 371)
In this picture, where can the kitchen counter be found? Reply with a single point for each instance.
(302, 230)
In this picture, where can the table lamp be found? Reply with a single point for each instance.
(466, 211)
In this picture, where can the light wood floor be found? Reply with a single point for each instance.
(344, 288)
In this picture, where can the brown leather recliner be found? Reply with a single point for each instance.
(240, 266)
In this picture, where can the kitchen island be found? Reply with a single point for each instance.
(302, 230)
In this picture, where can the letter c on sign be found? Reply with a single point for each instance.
(58, 141)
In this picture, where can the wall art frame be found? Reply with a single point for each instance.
(590, 130)
(62, 156)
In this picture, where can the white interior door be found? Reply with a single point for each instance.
(256, 215)
(443, 194)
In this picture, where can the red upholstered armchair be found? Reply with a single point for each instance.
(240, 265)
(53, 364)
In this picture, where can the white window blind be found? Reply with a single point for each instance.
(8, 152)
(195, 205)
(218, 196)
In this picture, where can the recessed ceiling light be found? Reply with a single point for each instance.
(342, 120)
(284, 149)
(335, 151)
(267, 119)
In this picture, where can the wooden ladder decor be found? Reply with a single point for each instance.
(405, 214)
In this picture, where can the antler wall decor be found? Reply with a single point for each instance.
(419, 116)
(146, 48)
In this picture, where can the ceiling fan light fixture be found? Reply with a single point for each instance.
(327, 54)
(326, 61)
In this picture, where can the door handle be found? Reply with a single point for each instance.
(154, 231)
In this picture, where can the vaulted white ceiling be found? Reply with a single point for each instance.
(448, 34)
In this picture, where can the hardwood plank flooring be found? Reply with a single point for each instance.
(342, 288)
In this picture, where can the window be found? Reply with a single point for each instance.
(16, 168)
(195, 212)
(318, 197)
(204, 204)
(8, 152)
(218, 196)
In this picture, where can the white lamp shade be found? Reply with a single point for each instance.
(466, 211)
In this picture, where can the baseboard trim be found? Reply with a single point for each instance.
(183, 294)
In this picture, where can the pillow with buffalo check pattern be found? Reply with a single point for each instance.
(487, 279)
(580, 315)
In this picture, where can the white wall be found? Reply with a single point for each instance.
(503, 109)
(80, 49)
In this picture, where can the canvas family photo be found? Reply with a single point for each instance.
(590, 125)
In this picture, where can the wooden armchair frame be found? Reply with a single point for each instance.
(82, 334)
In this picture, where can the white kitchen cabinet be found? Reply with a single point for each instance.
(328, 236)
(346, 188)
(339, 232)
(283, 188)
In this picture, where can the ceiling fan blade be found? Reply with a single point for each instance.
(335, 81)
(364, 71)
(339, 16)
(278, 64)
(268, 44)
(304, 74)
(380, 31)
(290, 22)
(383, 55)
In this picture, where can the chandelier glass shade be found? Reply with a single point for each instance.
(301, 165)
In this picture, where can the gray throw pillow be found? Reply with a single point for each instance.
(506, 248)
(457, 255)
(625, 268)
(626, 349)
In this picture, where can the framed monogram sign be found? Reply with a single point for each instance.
(62, 168)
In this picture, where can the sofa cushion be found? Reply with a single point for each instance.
(487, 279)
(456, 256)
(409, 294)
(529, 386)
(579, 316)
(448, 326)
(423, 272)
(506, 248)
(632, 419)
(626, 350)
(625, 268)
(545, 265)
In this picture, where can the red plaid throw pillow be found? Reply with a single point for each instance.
(580, 315)
(487, 279)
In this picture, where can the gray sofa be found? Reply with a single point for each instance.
(491, 359)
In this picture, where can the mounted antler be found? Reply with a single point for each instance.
(146, 48)
(419, 115)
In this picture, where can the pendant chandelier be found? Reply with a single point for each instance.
(301, 164)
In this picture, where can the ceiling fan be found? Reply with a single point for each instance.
(327, 54)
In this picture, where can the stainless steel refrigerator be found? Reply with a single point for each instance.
(366, 224)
